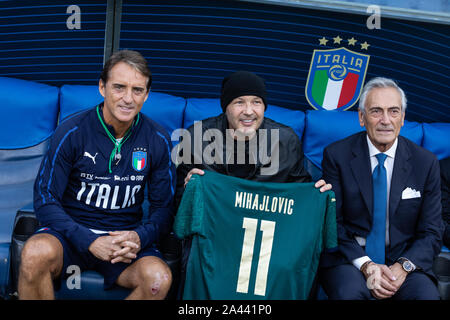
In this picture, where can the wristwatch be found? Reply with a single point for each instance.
(407, 265)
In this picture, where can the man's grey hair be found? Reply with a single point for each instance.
(380, 82)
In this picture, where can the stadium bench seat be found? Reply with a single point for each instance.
(441, 267)
(168, 111)
(90, 283)
(325, 127)
(27, 123)
(436, 137)
(28, 120)
(28, 117)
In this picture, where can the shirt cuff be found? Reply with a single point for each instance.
(143, 236)
(360, 261)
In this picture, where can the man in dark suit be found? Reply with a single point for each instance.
(445, 188)
(388, 207)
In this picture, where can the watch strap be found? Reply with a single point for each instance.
(402, 260)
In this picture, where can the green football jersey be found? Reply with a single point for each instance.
(253, 240)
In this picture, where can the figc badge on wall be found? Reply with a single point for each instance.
(335, 79)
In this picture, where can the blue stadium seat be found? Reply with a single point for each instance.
(21, 150)
(28, 117)
(90, 283)
(436, 137)
(199, 109)
(321, 129)
(325, 127)
(165, 109)
(76, 98)
(441, 268)
(29, 114)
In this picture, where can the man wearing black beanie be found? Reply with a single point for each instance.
(243, 100)
(242, 83)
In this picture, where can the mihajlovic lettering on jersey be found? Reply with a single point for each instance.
(258, 147)
(250, 201)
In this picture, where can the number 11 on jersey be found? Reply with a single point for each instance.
(268, 229)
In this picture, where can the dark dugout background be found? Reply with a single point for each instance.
(192, 45)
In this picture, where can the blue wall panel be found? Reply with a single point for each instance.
(192, 45)
(36, 44)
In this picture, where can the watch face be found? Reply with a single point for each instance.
(407, 266)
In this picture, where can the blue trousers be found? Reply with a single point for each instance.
(345, 282)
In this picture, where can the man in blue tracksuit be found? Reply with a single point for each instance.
(90, 188)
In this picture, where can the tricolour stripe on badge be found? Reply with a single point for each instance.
(348, 89)
(332, 94)
(319, 86)
(139, 164)
(334, 88)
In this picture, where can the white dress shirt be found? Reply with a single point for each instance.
(389, 165)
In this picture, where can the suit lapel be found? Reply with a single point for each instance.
(400, 173)
(362, 172)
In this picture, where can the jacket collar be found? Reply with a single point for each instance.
(360, 165)
(99, 126)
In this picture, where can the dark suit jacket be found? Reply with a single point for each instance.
(445, 188)
(415, 225)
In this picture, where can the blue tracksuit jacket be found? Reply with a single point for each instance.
(74, 191)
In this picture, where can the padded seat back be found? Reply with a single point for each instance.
(441, 268)
(165, 109)
(89, 286)
(18, 170)
(436, 138)
(28, 117)
(28, 113)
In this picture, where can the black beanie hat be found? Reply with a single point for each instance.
(242, 83)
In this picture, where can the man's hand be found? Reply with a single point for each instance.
(129, 243)
(190, 173)
(323, 185)
(118, 246)
(399, 273)
(379, 280)
(103, 248)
